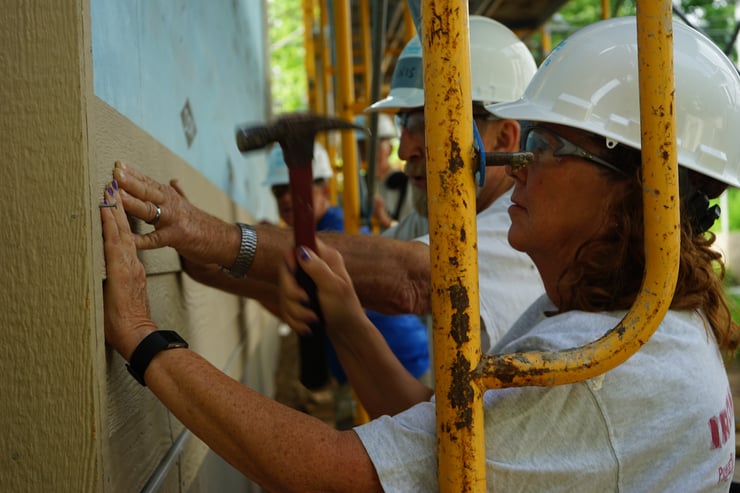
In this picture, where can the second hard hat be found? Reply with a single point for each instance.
(277, 170)
(501, 68)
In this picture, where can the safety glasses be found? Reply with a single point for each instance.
(546, 145)
(413, 121)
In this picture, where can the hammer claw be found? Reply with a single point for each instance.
(294, 126)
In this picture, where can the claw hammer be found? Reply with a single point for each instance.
(295, 133)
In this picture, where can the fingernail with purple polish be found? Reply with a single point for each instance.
(303, 253)
(115, 184)
(110, 190)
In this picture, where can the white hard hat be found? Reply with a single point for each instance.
(501, 66)
(277, 170)
(386, 128)
(590, 82)
(407, 84)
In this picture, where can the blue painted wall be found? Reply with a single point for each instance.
(152, 57)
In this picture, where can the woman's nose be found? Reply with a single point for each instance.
(516, 171)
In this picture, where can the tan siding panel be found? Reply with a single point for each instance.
(232, 334)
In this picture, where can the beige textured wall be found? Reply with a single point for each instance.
(72, 419)
(50, 353)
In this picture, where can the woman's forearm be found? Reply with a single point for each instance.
(280, 448)
(381, 382)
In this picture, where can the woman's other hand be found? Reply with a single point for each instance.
(127, 319)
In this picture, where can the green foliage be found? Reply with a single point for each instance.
(714, 17)
(730, 278)
(733, 206)
(287, 56)
(734, 302)
(577, 14)
(732, 211)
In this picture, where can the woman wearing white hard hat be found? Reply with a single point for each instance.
(661, 421)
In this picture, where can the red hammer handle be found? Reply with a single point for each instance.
(301, 190)
(313, 368)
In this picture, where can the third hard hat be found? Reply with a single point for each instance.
(277, 170)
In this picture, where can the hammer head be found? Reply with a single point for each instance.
(295, 132)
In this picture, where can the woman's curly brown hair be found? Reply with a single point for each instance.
(608, 270)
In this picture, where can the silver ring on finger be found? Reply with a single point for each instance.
(157, 215)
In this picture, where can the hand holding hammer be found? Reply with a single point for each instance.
(295, 133)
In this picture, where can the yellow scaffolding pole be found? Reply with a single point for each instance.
(605, 9)
(324, 77)
(546, 40)
(310, 56)
(366, 44)
(365, 67)
(345, 110)
(409, 29)
(453, 232)
(461, 374)
(314, 61)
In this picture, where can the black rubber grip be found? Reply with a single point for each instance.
(314, 371)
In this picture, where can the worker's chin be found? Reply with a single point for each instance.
(419, 199)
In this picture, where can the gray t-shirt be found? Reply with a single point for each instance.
(661, 421)
(410, 227)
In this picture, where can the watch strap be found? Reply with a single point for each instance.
(149, 347)
(247, 249)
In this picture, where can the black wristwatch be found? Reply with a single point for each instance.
(149, 347)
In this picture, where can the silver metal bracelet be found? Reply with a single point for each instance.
(247, 249)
